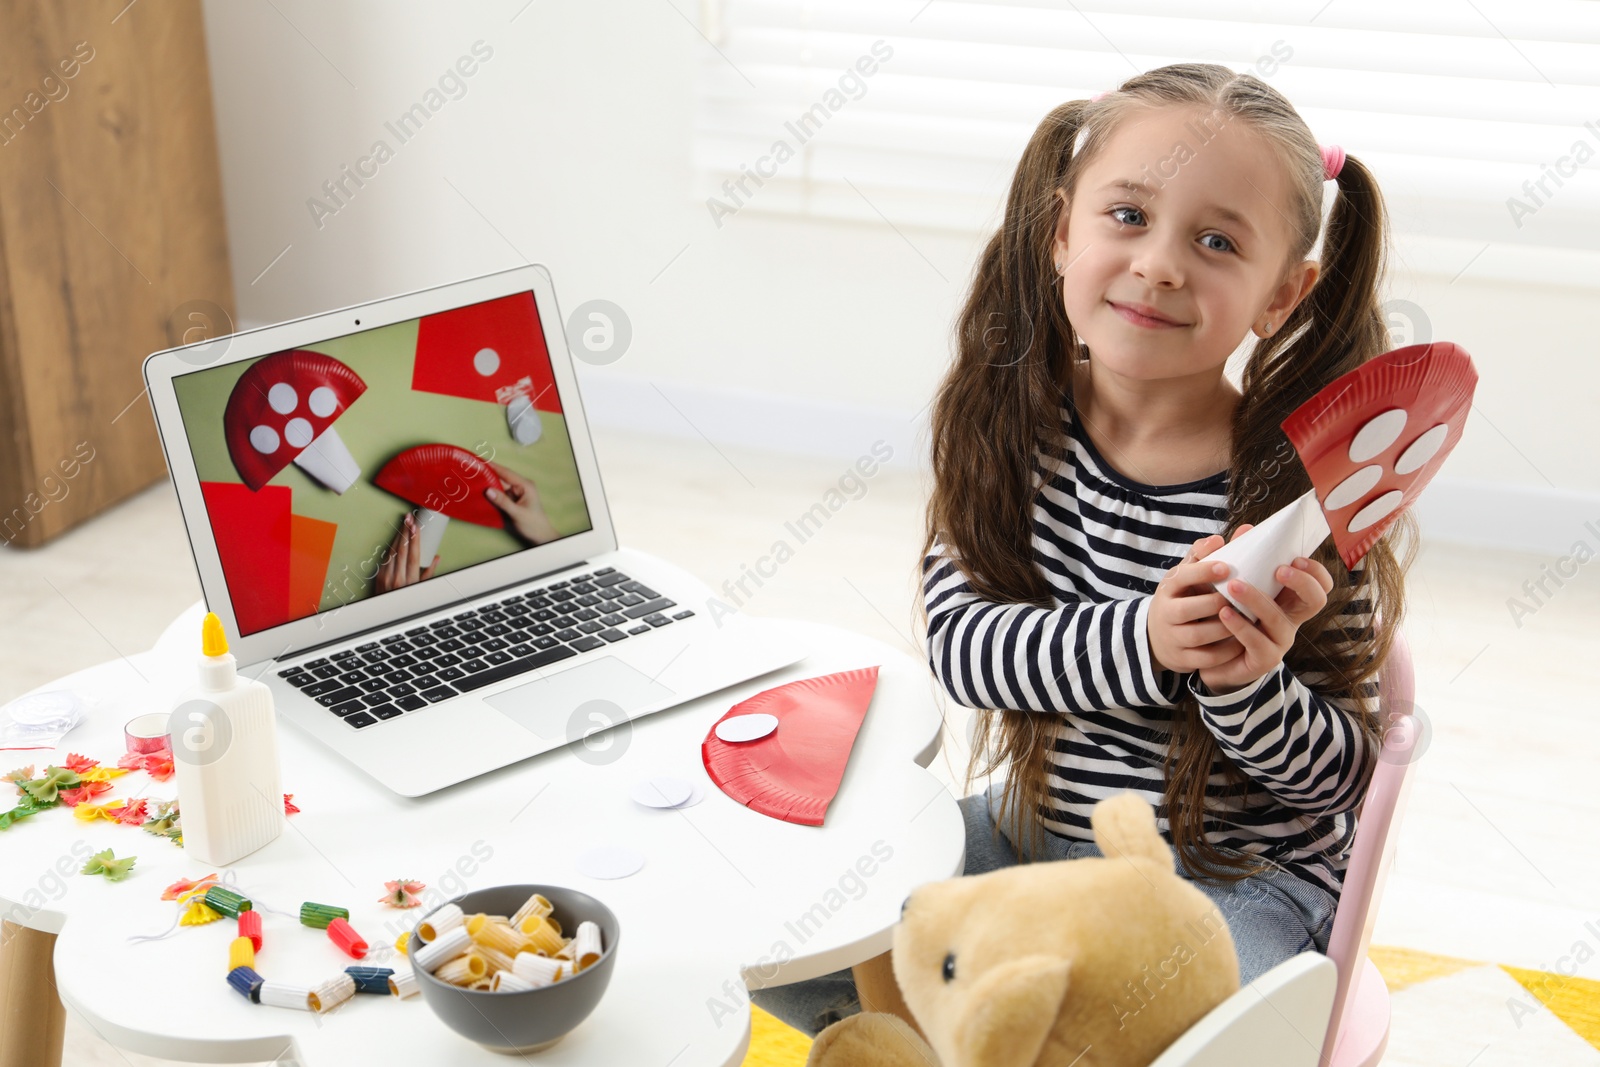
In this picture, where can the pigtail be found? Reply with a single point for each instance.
(997, 405)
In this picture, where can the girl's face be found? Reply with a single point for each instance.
(1200, 240)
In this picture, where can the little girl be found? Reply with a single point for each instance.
(1088, 454)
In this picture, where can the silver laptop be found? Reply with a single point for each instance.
(396, 511)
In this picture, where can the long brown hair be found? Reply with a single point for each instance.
(999, 404)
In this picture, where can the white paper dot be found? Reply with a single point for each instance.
(1422, 449)
(661, 792)
(264, 439)
(697, 794)
(1354, 487)
(486, 362)
(322, 401)
(282, 398)
(1379, 433)
(1375, 510)
(610, 861)
(298, 433)
(747, 727)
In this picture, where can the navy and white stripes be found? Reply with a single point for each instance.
(1104, 542)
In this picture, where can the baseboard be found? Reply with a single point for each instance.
(1487, 514)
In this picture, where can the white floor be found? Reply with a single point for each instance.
(1498, 860)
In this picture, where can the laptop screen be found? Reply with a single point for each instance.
(311, 461)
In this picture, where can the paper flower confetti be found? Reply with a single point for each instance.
(198, 913)
(402, 893)
(106, 863)
(79, 763)
(130, 813)
(87, 791)
(183, 888)
(48, 786)
(289, 805)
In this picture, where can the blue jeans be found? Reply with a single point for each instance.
(1271, 917)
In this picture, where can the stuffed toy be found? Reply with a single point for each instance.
(1091, 962)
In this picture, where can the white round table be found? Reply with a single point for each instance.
(728, 899)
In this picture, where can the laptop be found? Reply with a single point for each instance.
(397, 513)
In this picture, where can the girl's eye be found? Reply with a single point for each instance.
(1114, 214)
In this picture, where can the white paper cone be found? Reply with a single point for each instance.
(430, 527)
(328, 461)
(523, 419)
(1295, 530)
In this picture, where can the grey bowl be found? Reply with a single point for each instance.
(533, 1019)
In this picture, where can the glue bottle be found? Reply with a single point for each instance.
(225, 755)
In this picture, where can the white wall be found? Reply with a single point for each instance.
(572, 147)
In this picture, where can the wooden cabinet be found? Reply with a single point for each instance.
(112, 245)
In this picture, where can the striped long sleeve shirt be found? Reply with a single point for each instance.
(1104, 542)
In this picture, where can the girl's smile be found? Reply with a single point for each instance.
(1146, 316)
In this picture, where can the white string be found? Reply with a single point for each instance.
(227, 880)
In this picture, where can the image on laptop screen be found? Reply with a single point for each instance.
(310, 460)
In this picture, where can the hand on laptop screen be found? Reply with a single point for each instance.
(525, 516)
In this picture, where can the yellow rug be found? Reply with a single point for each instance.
(1445, 1010)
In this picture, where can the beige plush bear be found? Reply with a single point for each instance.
(1093, 962)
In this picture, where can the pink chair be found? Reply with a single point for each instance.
(1358, 1029)
(1269, 1023)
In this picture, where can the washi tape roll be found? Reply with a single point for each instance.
(147, 733)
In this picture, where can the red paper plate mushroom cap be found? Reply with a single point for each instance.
(280, 405)
(794, 772)
(446, 479)
(1373, 438)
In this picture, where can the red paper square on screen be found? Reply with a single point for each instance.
(490, 351)
(252, 533)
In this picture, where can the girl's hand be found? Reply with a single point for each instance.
(1185, 633)
(1306, 584)
(520, 502)
(402, 563)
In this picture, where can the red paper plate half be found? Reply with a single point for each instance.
(280, 405)
(1373, 439)
(445, 479)
(490, 351)
(794, 772)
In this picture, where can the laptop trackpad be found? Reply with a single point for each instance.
(569, 705)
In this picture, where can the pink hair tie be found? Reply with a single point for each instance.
(1332, 161)
(1097, 96)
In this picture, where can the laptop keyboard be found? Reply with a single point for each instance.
(406, 672)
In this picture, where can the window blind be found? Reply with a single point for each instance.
(1480, 118)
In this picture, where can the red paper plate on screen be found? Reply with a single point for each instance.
(1374, 438)
(280, 405)
(446, 479)
(793, 773)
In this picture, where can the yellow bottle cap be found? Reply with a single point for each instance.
(213, 642)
